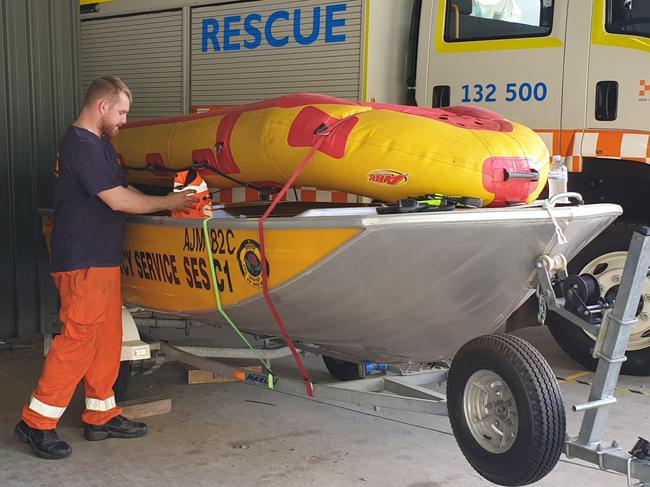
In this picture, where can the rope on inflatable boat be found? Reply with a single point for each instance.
(322, 132)
(197, 166)
(208, 245)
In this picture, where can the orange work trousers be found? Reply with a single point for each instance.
(88, 348)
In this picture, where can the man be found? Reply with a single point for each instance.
(91, 202)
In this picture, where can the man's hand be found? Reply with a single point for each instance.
(132, 201)
(182, 200)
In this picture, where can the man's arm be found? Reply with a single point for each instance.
(130, 200)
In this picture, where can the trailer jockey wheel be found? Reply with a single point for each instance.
(604, 258)
(506, 410)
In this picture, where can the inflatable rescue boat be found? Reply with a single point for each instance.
(384, 152)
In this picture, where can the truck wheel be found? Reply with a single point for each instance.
(604, 258)
(506, 410)
(342, 369)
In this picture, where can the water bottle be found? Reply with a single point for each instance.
(557, 178)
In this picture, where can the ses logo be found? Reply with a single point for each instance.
(235, 32)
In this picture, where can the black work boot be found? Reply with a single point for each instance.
(118, 427)
(44, 443)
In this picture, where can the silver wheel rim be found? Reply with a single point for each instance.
(612, 269)
(490, 411)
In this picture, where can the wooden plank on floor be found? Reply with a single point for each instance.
(145, 407)
(197, 376)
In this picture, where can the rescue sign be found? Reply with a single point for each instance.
(234, 32)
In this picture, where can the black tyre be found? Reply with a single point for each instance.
(604, 258)
(122, 381)
(342, 369)
(506, 410)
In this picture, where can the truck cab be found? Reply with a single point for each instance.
(577, 73)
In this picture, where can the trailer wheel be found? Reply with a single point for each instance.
(506, 410)
(342, 369)
(605, 258)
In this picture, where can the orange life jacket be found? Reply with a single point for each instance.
(191, 179)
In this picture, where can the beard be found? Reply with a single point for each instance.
(109, 129)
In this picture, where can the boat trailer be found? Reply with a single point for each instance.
(576, 298)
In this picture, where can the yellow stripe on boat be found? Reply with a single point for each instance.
(163, 263)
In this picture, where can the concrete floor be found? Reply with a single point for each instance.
(236, 435)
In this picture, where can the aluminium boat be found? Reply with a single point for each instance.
(387, 288)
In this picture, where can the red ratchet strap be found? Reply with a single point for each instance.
(323, 131)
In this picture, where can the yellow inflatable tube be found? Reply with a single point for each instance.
(385, 152)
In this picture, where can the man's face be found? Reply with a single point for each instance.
(114, 115)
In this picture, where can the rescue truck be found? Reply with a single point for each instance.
(577, 72)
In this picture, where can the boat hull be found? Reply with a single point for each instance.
(379, 287)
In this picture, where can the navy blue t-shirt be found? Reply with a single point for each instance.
(87, 233)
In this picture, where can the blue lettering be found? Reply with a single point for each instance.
(331, 23)
(229, 32)
(303, 33)
(253, 31)
(305, 41)
(257, 378)
(210, 35)
(275, 16)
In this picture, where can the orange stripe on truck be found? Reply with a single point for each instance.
(629, 145)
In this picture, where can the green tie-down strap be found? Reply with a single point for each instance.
(430, 203)
(208, 246)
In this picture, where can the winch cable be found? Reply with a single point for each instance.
(322, 131)
(217, 293)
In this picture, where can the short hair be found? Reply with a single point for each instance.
(108, 87)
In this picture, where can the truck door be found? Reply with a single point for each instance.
(614, 152)
(618, 103)
(503, 55)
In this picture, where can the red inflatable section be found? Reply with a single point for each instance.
(302, 133)
(474, 118)
(506, 190)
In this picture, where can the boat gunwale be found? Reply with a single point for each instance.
(527, 213)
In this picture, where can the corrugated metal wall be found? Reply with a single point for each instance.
(243, 75)
(162, 57)
(145, 50)
(38, 100)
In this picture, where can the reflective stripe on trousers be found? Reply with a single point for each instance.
(99, 405)
(46, 410)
